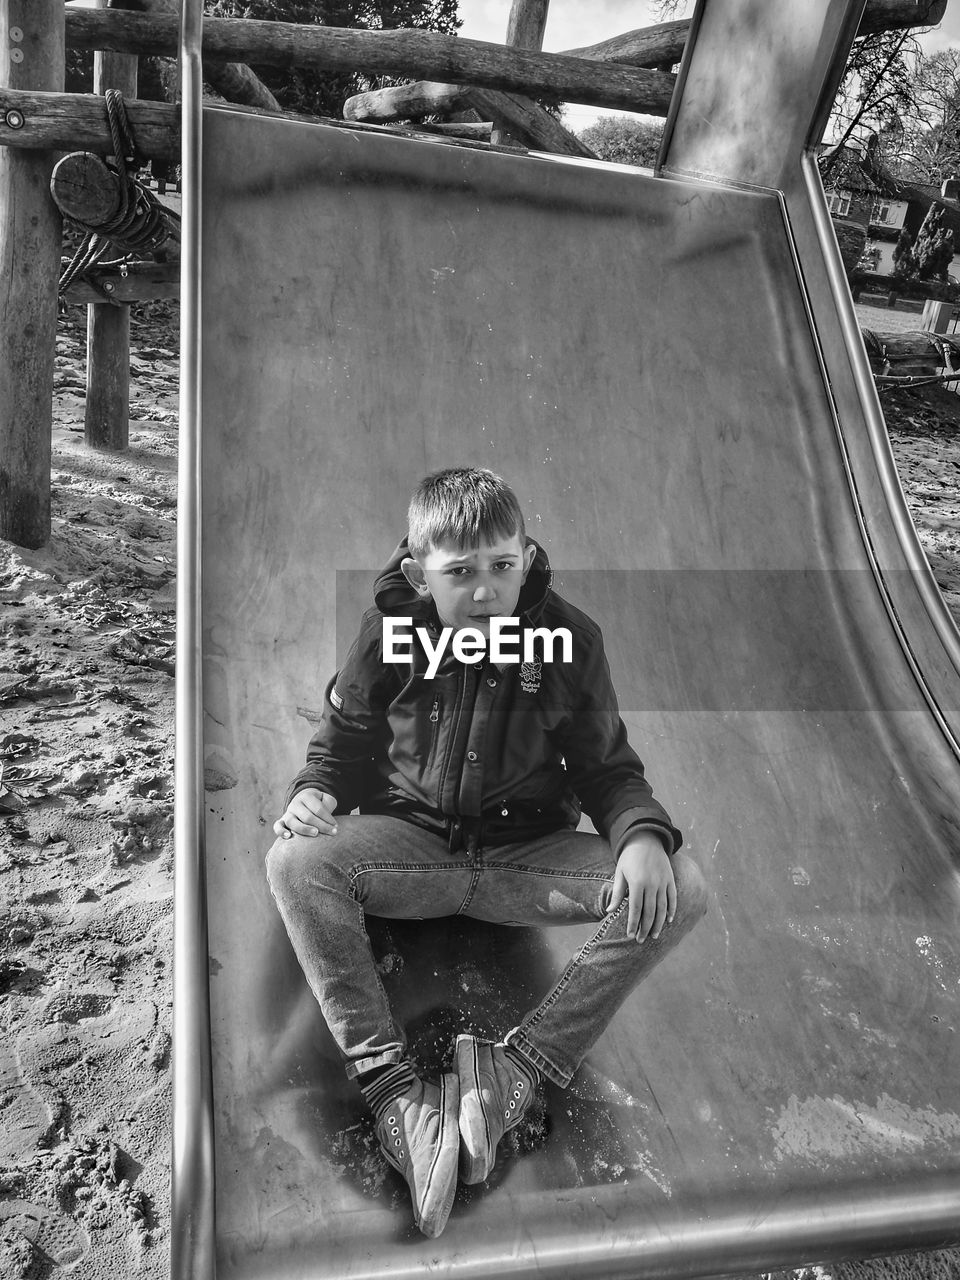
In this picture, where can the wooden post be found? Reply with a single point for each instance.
(31, 57)
(106, 417)
(525, 27)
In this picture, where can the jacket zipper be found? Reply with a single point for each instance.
(434, 730)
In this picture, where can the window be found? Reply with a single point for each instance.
(885, 212)
(838, 202)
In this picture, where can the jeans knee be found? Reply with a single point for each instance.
(691, 888)
(287, 860)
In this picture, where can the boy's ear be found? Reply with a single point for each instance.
(414, 574)
(529, 555)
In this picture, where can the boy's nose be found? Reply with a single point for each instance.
(483, 592)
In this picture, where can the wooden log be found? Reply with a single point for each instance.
(475, 131)
(900, 15)
(78, 121)
(106, 410)
(657, 46)
(662, 45)
(242, 39)
(65, 121)
(106, 413)
(524, 121)
(406, 102)
(87, 190)
(527, 23)
(525, 27)
(423, 54)
(142, 282)
(31, 57)
(235, 81)
(913, 346)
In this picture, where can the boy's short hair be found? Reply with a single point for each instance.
(462, 506)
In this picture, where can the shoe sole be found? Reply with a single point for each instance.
(476, 1155)
(442, 1179)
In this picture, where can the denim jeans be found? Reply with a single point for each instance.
(324, 885)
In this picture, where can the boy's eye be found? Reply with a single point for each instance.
(503, 565)
(459, 571)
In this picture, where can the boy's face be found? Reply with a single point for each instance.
(470, 586)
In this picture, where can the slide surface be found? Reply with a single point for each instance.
(639, 356)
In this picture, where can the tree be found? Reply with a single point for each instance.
(904, 263)
(316, 93)
(624, 140)
(928, 148)
(933, 251)
(876, 93)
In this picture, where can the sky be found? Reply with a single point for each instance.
(573, 23)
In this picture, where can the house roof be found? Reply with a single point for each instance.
(851, 171)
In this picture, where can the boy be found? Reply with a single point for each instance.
(470, 761)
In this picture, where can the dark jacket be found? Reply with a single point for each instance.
(480, 752)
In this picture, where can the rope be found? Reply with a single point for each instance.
(139, 225)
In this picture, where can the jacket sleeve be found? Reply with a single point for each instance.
(604, 770)
(351, 728)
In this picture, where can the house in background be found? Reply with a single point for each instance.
(860, 189)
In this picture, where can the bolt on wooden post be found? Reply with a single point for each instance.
(31, 58)
(106, 417)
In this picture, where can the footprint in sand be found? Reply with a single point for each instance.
(24, 1116)
(48, 1240)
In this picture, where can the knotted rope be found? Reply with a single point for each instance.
(138, 226)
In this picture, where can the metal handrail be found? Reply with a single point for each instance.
(193, 1234)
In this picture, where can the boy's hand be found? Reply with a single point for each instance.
(644, 875)
(309, 813)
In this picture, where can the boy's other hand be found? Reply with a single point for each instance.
(309, 813)
(644, 876)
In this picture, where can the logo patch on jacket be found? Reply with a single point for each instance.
(530, 673)
(336, 700)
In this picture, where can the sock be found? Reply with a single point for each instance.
(523, 1064)
(381, 1085)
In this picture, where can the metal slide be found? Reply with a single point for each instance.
(668, 369)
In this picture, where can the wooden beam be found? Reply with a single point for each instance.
(662, 45)
(423, 54)
(913, 345)
(476, 131)
(900, 15)
(525, 28)
(657, 46)
(78, 121)
(326, 48)
(232, 80)
(524, 121)
(527, 23)
(31, 57)
(65, 121)
(106, 411)
(406, 102)
(143, 282)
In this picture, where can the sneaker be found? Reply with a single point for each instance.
(419, 1137)
(495, 1092)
